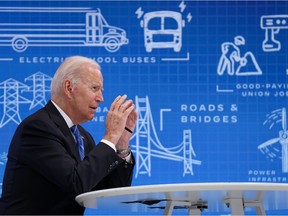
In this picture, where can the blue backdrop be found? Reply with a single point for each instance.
(209, 80)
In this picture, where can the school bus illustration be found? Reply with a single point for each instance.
(47, 26)
(162, 29)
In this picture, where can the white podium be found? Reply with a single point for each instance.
(195, 197)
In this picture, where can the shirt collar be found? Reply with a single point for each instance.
(64, 115)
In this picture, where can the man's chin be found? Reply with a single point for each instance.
(91, 117)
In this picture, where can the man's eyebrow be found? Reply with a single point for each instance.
(94, 84)
(99, 85)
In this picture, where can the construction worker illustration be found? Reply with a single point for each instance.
(232, 63)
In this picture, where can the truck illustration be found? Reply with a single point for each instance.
(22, 27)
(162, 29)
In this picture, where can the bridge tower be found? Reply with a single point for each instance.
(188, 153)
(143, 157)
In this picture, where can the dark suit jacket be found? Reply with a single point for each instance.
(44, 172)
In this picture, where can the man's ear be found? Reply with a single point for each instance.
(67, 87)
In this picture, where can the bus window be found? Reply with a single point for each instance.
(170, 24)
(164, 23)
(154, 24)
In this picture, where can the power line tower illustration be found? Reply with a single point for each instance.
(143, 156)
(38, 88)
(11, 100)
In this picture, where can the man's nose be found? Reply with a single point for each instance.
(100, 97)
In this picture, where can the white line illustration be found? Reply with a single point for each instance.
(272, 25)
(3, 158)
(163, 29)
(51, 26)
(233, 63)
(39, 88)
(11, 100)
(161, 117)
(6, 59)
(218, 89)
(148, 144)
(187, 58)
(277, 116)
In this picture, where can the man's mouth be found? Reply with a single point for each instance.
(94, 108)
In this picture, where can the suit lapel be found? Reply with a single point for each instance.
(68, 142)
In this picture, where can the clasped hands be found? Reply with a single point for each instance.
(122, 114)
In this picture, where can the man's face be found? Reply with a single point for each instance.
(87, 94)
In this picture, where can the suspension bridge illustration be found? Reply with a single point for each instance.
(147, 145)
(269, 147)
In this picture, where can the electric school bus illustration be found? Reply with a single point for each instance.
(22, 27)
(162, 29)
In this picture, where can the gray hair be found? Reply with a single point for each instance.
(69, 70)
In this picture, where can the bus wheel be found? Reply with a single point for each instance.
(19, 44)
(177, 49)
(148, 49)
(112, 45)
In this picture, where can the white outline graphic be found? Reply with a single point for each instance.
(161, 117)
(218, 89)
(93, 30)
(233, 63)
(163, 29)
(6, 59)
(148, 144)
(268, 148)
(187, 58)
(39, 88)
(163, 36)
(11, 98)
(272, 25)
